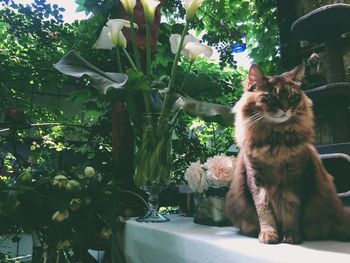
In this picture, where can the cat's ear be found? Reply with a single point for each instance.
(296, 75)
(255, 75)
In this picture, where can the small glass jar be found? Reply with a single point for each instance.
(210, 207)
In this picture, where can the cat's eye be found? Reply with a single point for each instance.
(294, 98)
(269, 98)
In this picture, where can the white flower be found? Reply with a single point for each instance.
(116, 25)
(195, 177)
(59, 216)
(112, 35)
(175, 41)
(89, 171)
(129, 6)
(60, 181)
(105, 40)
(192, 50)
(220, 169)
(191, 47)
(191, 7)
(149, 8)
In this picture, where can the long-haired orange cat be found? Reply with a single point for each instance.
(281, 192)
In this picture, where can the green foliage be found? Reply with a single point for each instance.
(29, 45)
(137, 81)
(32, 198)
(225, 21)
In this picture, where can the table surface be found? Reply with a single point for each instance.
(182, 241)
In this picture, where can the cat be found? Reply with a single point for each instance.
(280, 191)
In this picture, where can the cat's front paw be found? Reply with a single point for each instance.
(292, 238)
(268, 237)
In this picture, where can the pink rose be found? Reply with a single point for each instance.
(195, 177)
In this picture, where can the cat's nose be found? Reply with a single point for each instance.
(284, 109)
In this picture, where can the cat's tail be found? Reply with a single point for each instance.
(342, 232)
(338, 216)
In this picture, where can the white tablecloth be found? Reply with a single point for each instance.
(182, 241)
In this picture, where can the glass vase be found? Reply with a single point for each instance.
(153, 163)
(210, 207)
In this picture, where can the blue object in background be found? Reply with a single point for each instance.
(238, 47)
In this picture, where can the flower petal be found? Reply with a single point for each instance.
(149, 7)
(115, 26)
(191, 7)
(174, 42)
(190, 38)
(124, 22)
(195, 49)
(129, 5)
(104, 41)
(122, 40)
(196, 178)
(220, 169)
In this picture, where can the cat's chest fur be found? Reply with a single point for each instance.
(275, 146)
(283, 174)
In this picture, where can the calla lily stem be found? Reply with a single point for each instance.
(134, 43)
(119, 64)
(148, 50)
(129, 102)
(186, 76)
(171, 92)
(130, 59)
(145, 95)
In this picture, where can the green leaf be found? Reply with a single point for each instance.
(209, 112)
(201, 86)
(9, 201)
(137, 81)
(74, 65)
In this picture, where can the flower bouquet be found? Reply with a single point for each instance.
(210, 182)
(162, 98)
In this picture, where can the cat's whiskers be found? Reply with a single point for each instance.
(252, 120)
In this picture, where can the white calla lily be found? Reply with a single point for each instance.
(116, 25)
(191, 7)
(105, 40)
(149, 8)
(112, 35)
(129, 6)
(193, 49)
(175, 41)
